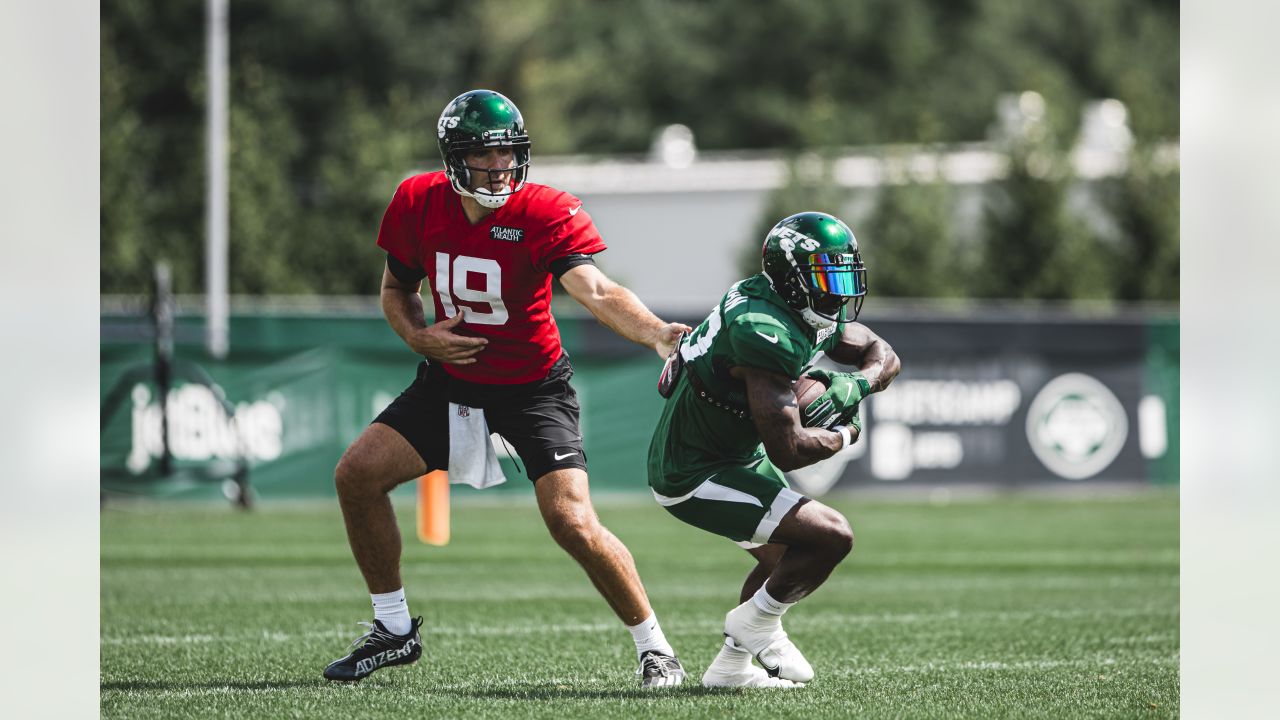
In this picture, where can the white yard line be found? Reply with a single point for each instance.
(999, 616)
(1039, 664)
(356, 631)
(1099, 664)
(302, 552)
(521, 630)
(474, 593)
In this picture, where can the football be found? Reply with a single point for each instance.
(807, 389)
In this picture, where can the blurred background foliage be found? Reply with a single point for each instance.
(333, 101)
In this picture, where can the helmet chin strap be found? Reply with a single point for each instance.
(488, 199)
(485, 196)
(481, 195)
(816, 321)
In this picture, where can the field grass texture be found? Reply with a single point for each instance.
(984, 608)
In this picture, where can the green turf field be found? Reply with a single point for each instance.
(982, 608)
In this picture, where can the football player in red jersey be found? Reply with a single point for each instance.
(488, 243)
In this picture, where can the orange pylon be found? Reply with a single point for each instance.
(433, 508)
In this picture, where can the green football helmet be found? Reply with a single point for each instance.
(482, 119)
(812, 262)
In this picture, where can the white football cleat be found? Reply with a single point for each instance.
(657, 669)
(762, 636)
(732, 675)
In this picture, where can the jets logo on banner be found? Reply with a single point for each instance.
(1076, 426)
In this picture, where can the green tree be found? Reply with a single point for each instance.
(268, 248)
(909, 244)
(126, 257)
(374, 146)
(1033, 246)
(809, 187)
(152, 144)
(1144, 205)
(326, 89)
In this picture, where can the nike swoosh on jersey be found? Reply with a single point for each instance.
(771, 338)
(558, 456)
(574, 211)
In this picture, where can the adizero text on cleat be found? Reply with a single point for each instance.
(375, 650)
(659, 670)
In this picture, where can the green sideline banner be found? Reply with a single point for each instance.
(1010, 400)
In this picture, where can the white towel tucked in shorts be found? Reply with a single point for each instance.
(471, 457)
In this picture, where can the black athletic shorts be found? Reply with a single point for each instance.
(539, 419)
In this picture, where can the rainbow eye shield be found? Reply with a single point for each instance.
(835, 274)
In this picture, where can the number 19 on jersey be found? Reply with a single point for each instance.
(451, 282)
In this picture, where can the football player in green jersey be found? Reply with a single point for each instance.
(731, 424)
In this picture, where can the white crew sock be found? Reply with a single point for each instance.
(766, 604)
(648, 636)
(732, 658)
(392, 610)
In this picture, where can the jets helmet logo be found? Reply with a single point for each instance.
(446, 123)
(788, 239)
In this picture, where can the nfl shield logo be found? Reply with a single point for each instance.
(464, 411)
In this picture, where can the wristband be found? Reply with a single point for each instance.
(846, 436)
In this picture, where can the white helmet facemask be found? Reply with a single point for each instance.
(486, 198)
(482, 195)
(815, 321)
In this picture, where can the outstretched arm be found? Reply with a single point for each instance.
(774, 412)
(861, 348)
(620, 310)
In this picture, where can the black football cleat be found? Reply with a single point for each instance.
(659, 670)
(375, 650)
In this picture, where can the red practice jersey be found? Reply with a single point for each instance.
(498, 269)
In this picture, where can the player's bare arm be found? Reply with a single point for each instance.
(620, 310)
(777, 418)
(402, 306)
(861, 348)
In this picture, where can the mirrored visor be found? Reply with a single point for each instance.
(834, 274)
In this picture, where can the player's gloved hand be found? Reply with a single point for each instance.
(840, 402)
(851, 418)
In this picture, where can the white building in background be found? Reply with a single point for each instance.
(678, 220)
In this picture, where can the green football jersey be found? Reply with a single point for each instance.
(750, 327)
